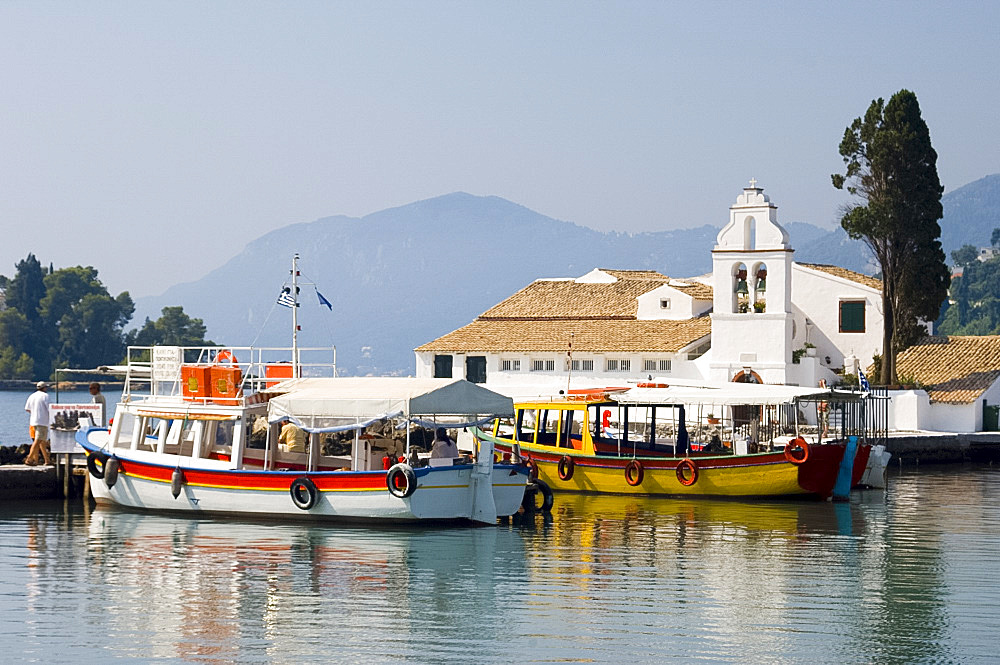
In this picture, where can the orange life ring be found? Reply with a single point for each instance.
(797, 442)
(566, 465)
(226, 354)
(634, 473)
(691, 477)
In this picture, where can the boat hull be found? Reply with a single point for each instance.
(757, 475)
(441, 494)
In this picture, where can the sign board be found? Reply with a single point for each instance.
(66, 421)
(166, 363)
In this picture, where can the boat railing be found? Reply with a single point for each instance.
(226, 375)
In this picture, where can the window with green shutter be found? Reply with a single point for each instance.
(852, 316)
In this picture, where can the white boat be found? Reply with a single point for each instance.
(204, 438)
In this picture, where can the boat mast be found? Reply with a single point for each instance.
(295, 316)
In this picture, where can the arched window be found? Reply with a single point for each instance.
(758, 282)
(741, 289)
(749, 233)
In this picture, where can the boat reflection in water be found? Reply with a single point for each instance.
(210, 590)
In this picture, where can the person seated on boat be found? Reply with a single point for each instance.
(715, 445)
(443, 446)
(258, 433)
(292, 438)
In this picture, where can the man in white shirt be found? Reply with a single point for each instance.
(38, 408)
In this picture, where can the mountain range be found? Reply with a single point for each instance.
(403, 276)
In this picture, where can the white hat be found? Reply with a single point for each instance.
(41, 385)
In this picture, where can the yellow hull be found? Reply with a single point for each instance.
(779, 478)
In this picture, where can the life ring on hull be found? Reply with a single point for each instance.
(111, 468)
(634, 473)
(687, 472)
(566, 466)
(797, 442)
(528, 502)
(93, 459)
(401, 480)
(532, 469)
(304, 493)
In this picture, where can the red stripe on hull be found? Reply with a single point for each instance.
(258, 480)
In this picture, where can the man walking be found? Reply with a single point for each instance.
(38, 408)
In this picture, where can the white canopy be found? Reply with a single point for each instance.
(333, 403)
(722, 394)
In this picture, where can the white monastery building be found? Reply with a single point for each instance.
(759, 316)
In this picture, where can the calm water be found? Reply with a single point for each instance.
(906, 576)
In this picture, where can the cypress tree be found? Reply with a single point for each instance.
(892, 170)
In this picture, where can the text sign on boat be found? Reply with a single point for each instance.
(65, 423)
(166, 363)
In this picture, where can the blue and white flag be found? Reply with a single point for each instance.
(286, 299)
(863, 382)
(324, 301)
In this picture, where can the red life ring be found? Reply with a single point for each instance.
(634, 473)
(687, 472)
(226, 354)
(797, 442)
(646, 384)
(566, 465)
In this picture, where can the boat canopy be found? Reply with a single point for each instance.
(728, 393)
(330, 404)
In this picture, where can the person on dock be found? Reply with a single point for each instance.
(37, 407)
(443, 446)
(97, 397)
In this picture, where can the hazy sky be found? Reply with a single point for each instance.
(154, 140)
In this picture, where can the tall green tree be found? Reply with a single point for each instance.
(84, 322)
(23, 293)
(26, 289)
(892, 170)
(174, 328)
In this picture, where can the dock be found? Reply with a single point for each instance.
(942, 447)
(64, 480)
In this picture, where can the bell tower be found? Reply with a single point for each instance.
(752, 279)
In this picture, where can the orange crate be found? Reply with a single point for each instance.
(196, 382)
(225, 384)
(279, 371)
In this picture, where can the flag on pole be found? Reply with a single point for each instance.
(324, 301)
(286, 299)
(863, 382)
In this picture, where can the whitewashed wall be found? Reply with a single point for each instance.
(816, 297)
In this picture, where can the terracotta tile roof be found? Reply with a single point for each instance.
(561, 299)
(957, 369)
(844, 273)
(589, 336)
(696, 290)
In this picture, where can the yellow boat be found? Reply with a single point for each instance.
(638, 441)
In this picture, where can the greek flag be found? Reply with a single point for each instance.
(286, 299)
(863, 382)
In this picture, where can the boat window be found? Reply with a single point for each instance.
(180, 438)
(571, 433)
(526, 419)
(548, 422)
(125, 423)
(218, 439)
